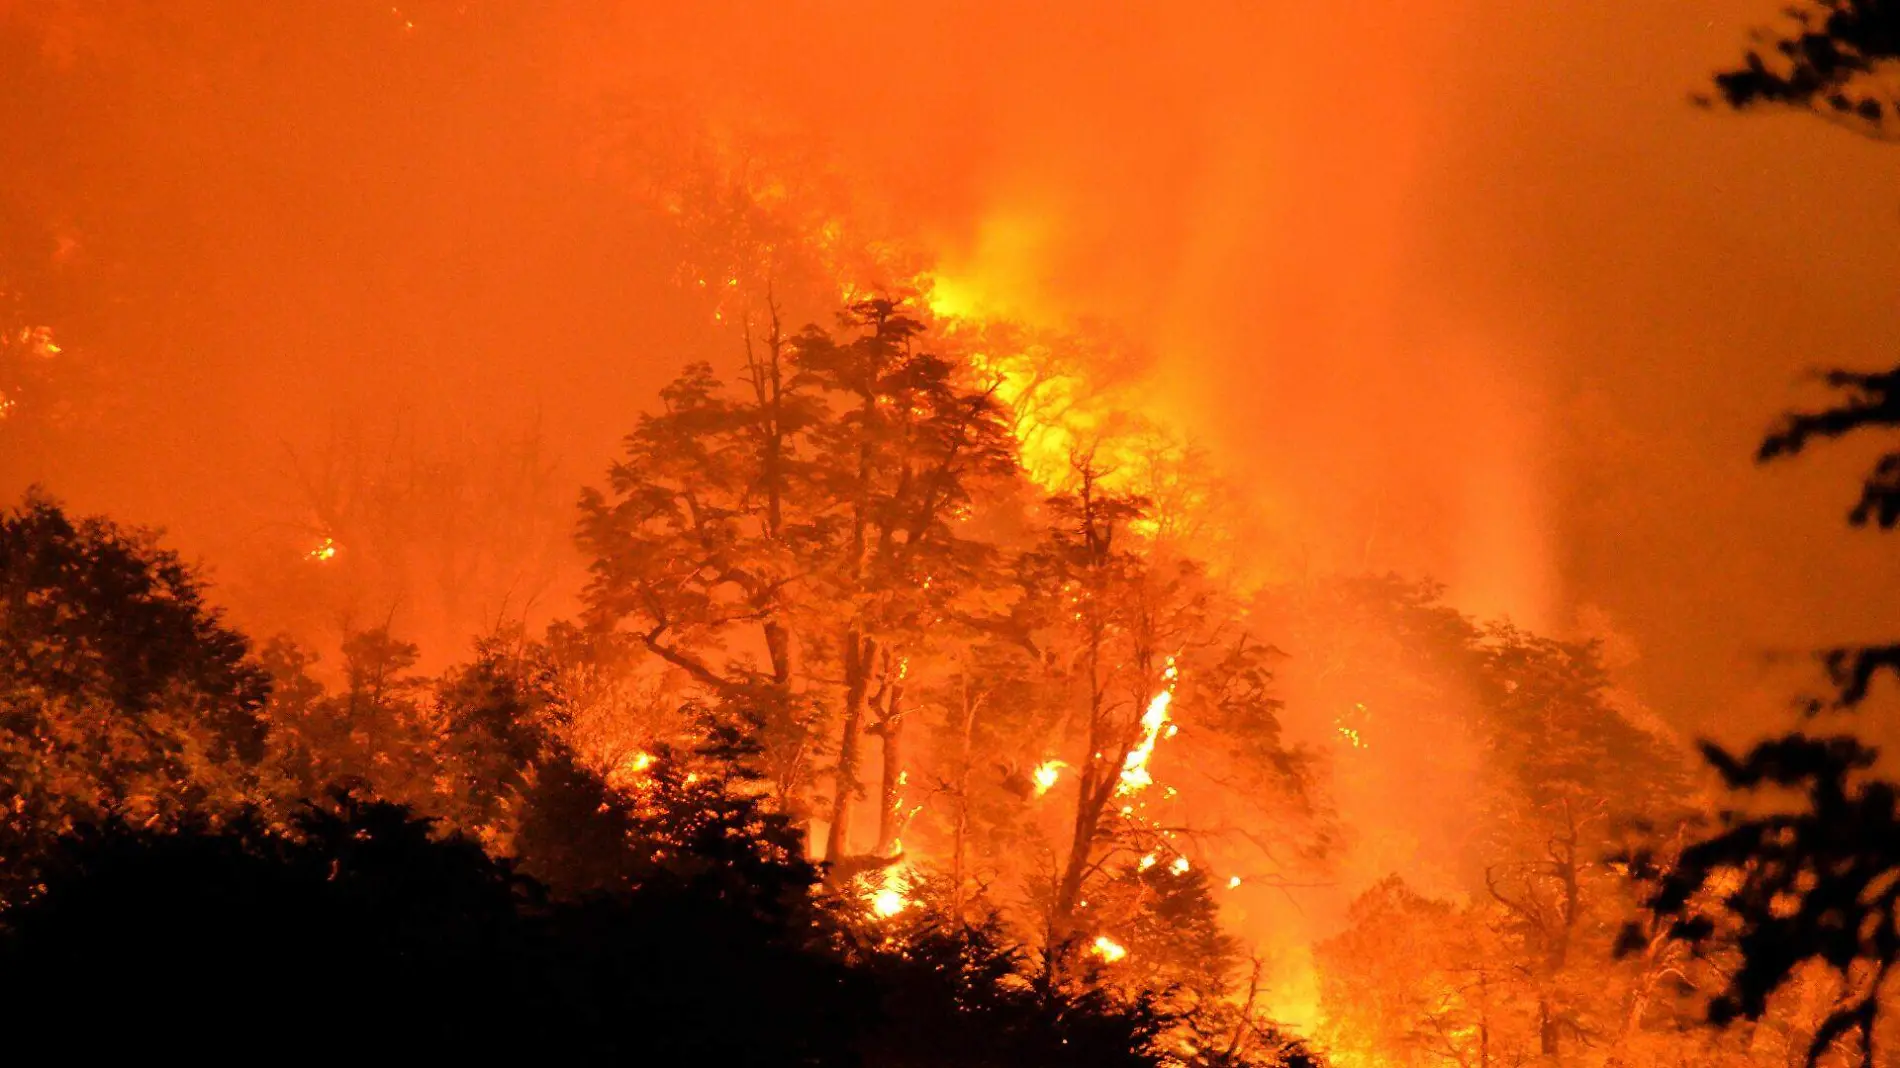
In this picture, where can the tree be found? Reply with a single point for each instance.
(712, 525)
(1419, 981)
(1507, 962)
(377, 735)
(1827, 60)
(1811, 883)
(121, 689)
(1869, 401)
(903, 466)
(1111, 626)
(1574, 777)
(409, 939)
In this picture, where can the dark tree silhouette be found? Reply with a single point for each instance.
(1813, 884)
(1818, 882)
(1827, 58)
(1869, 402)
(361, 927)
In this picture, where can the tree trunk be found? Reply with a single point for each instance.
(1095, 790)
(778, 645)
(962, 833)
(890, 817)
(858, 652)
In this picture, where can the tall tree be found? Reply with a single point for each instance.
(902, 467)
(711, 527)
(1816, 875)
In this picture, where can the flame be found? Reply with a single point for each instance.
(1046, 775)
(1108, 949)
(325, 552)
(632, 770)
(1147, 862)
(889, 898)
(888, 903)
(1180, 866)
(1135, 775)
(1233, 882)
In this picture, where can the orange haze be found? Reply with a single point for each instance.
(1461, 288)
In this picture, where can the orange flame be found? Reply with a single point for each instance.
(1135, 775)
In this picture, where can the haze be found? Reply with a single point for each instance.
(1460, 289)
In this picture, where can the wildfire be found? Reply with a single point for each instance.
(1135, 775)
(1046, 775)
(1108, 949)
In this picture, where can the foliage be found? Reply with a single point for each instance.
(409, 942)
(1834, 58)
(1818, 883)
(121, 690)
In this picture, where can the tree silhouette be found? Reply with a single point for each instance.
(360, 927)
(1869, 402)
(1808, 884)
(1828, 59)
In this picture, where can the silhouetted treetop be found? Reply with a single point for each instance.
(1833, 57)
(1869, 400)
(1814, 883)
(90, 610)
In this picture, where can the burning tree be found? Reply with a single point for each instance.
(725, 506)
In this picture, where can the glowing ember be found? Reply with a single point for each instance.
(1147, 862)
(1180, 866)
(632, 770)
(888, 903)
(889, 897)
(1108, 949)
(1350, 733)
(325, 552)
(1046, 775)
(1233, 882)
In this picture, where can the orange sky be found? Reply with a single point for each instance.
(1462, 288)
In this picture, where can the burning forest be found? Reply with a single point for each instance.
(723, 535)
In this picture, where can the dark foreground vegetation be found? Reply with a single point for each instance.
(355, 928)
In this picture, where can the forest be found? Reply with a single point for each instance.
(907, 687)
